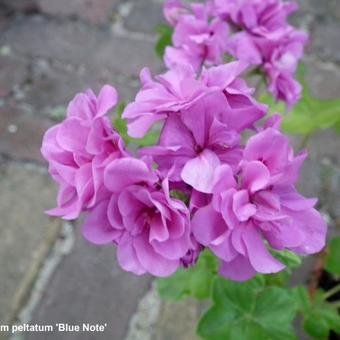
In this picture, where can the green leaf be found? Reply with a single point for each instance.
(248, 311)
(311, 114)
(195, 281)
(302, 298)
(120, 124)
(291, 260)
(319, 316)
(333, 257)
(320, 320)
(164, 40)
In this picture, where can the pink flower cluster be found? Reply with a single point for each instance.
(253, 31)
(238, 196)
(78, 150)
(199, 37)
(259, 203)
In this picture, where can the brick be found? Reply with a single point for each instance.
(4, 21)
(323, 79)
(25, 232)
(90, 287)
(80, 45)
(325, 39)
(320, 8)
(21, 133)
(26, 6)
(13, 72)
(53, 86)
(145, 16)
(94, 11)
(321, 172)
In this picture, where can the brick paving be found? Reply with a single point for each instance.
(49, 50)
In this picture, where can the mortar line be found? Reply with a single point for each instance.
(61, 248)
(144, 319)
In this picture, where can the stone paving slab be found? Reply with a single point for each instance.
(155, 318)
(89, 286)
(25, 232)
(177, 321)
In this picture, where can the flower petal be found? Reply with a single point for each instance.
(107, 99)
(127, 171)
(257, 252)
(199, 172)
(97, 228)
(255, 176)
(239, 269)
(154, 263)
(127, 257)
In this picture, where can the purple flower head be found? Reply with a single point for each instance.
(150, 229)
(259, 17)
(205, 132)
(277, 59)
(265, 38)
(242, 46)
(173, 10)
(259, 204)
(169, 92)
(283, 85)
(199, 37)
(180, 88)
(78, 150)
(200, 138)
(280, 67)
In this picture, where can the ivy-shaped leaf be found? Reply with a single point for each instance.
(319, 321)
(195, 281)
(248, 311)
(319, 316)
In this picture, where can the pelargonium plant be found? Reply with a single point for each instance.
(213, 201)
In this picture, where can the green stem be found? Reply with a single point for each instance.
(332, 292)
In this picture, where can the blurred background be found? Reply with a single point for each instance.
(49, 51)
